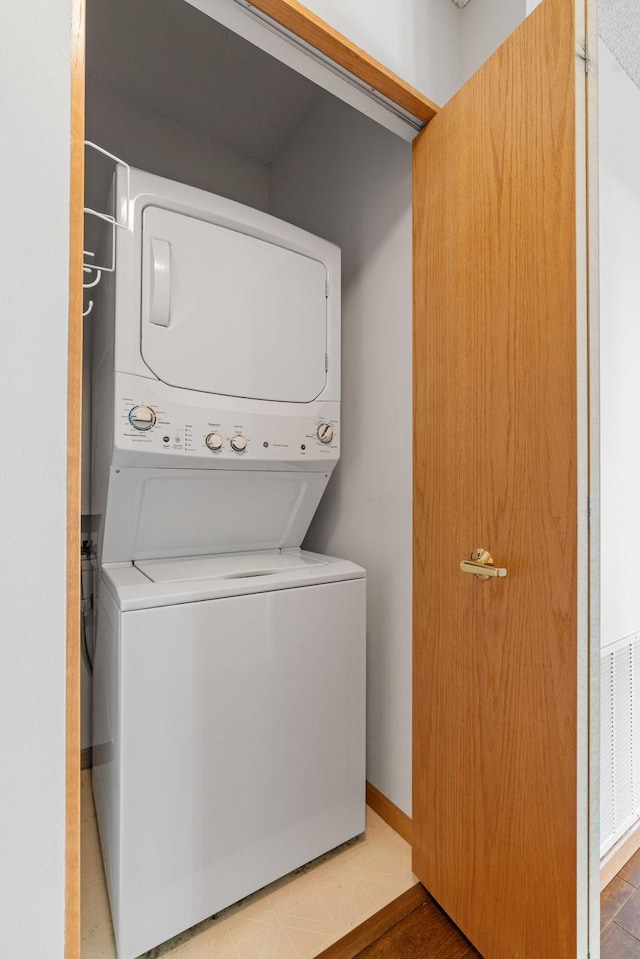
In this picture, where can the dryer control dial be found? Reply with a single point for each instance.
(214, 442)
(238, 443)
(142, 417)
(325, 433)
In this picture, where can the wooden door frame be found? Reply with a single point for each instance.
(300, 21)
(309, 28)
(74, 486)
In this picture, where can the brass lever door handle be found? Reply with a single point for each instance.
(481, 565)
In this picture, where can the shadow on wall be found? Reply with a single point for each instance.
(347, 179)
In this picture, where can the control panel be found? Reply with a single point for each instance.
(192, 433)
(142, 417)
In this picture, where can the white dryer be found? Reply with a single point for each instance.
(229, 674)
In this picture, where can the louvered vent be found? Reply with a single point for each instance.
(620, 740)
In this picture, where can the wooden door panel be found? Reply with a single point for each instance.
(495, 662)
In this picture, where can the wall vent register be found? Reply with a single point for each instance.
(620, 740)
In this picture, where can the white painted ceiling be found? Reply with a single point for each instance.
(619, 27)
(175, 61)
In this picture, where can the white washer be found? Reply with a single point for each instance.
(229, 730)
(229, 675)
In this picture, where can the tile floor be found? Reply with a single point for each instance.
(620, 913)
(295, 918)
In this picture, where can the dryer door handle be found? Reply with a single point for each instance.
(160, 298)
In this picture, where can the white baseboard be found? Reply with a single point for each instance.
(619, 855)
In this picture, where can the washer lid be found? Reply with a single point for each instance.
(150, 584)
(161, 513)
(228, 313)
(234, 566)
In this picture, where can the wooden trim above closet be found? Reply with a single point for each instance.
(391, 814)
(74, 452)
(296, 18)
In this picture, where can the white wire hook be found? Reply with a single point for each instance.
(90, 269)
(119, 221)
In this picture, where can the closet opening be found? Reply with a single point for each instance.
(176, 94)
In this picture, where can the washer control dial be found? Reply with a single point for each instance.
(238, 443)
(325, 433)
(142, 417)
(214, 442)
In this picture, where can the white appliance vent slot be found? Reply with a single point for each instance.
(620, 740)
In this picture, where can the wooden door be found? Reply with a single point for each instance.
(500, 396)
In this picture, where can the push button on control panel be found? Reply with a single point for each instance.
(325, 433)
(142, 417)
(214, 442)
(239, 444)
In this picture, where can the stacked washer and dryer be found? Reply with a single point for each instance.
(229, 674)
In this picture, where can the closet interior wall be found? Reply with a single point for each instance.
(347, 179)
(153, 72)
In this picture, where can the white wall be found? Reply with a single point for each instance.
(619, 120)
(348, 180)
(486, 24)
(417, 39)
(148, 141)
(34, 247)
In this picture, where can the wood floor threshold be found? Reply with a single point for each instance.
(377, 925)
(619, 856)
(392, 815)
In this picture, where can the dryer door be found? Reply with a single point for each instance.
(228, 313)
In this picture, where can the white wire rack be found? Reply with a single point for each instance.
(93, 271)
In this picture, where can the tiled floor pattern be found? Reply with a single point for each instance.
(295, 918)
(620, 913)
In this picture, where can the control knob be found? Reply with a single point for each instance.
(238, 443)
(142, 417)
(325, 433)
(214, 442)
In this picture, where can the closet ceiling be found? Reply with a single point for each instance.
(173, 60)
(619, 27)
